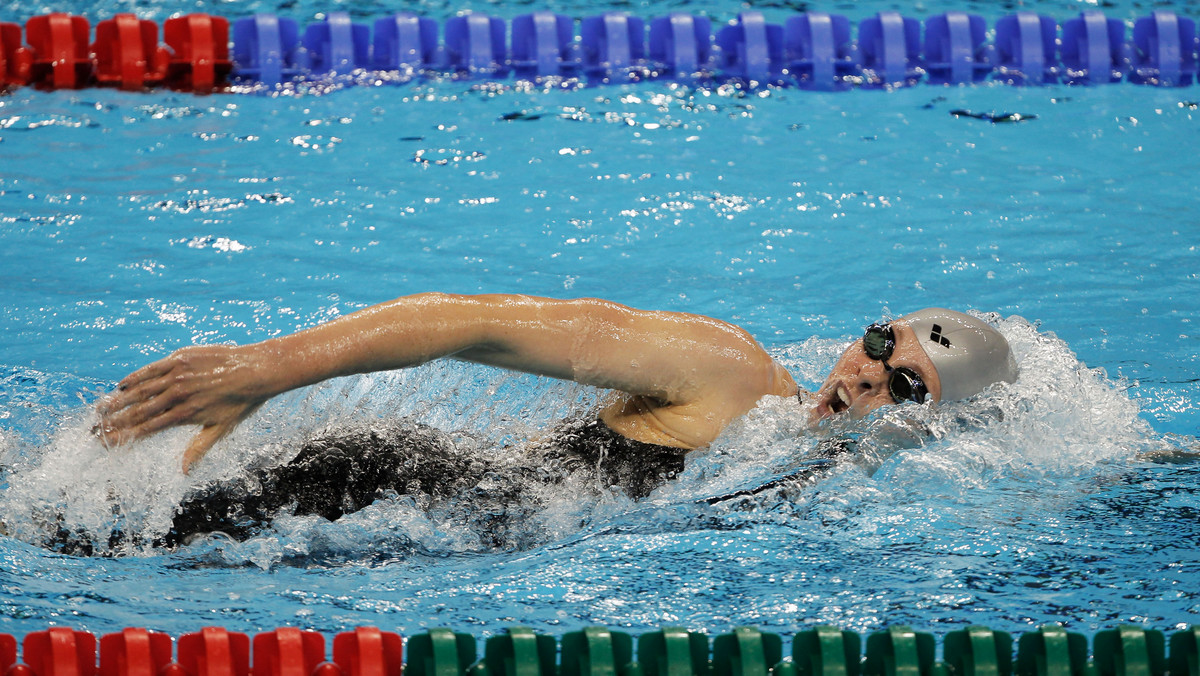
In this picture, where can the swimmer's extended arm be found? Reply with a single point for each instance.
(672, 359)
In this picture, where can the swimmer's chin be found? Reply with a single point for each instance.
(821, 414)
(821, 409)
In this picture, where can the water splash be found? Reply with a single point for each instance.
(1059, 422)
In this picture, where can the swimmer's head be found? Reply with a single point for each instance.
(933, 354)
(967, 352)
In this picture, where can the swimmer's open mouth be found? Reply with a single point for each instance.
(839, 399)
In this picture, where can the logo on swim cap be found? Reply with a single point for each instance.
(967, 352)
(936, 336)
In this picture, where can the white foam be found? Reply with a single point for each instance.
(1060, 418)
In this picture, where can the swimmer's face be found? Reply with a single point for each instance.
(858, 384)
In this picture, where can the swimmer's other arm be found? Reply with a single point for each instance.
(705, 370)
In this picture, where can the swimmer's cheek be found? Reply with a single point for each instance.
(865, 405)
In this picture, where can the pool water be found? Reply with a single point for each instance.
(133, 224)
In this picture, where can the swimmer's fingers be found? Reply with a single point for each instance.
(142, 420)
(182, 403)
(214, 386)
(137, 403)
(204, 440)
(147, 408)
(197, 360)
(141, 384)
(180, 389)
(211, 434)
(153, 370)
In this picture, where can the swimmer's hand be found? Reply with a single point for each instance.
(215, 387)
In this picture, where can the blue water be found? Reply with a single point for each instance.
(137, 223)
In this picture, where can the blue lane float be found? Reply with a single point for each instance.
(681, 46)
(612, 43)
(266, 49)
(1162, 50)
(542, 45)
(1025, 49)
(890, 47)
(956, 50)
(337, 45)
(1094, 50)
(404, 41)
(811, 50)
(475, 45)
(752, 49)
(820, 52)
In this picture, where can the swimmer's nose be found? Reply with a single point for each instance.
(872, 379)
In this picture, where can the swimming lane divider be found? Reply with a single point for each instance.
(811, 50)
(598, 651)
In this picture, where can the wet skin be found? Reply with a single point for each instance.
(679, 378)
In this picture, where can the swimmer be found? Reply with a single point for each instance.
(680, 378)
(678, 381)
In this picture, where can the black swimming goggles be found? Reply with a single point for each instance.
(903, 383)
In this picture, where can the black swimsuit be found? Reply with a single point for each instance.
(497, 494)
(342, 473)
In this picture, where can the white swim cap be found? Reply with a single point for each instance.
(968, 354)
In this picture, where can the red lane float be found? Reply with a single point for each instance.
(58, 45)
(134, 652)
(127, 53)
(288, 651)
(212, 651)
(15, 59)
(199, 44)
(60, 651)
(367, 651)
